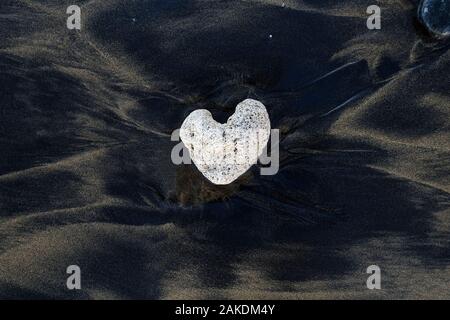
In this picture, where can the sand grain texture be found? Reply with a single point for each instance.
(86, 176)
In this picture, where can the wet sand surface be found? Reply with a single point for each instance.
(85, 171)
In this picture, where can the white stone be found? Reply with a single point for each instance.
(223, 152)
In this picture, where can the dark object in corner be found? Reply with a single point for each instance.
(435, 16)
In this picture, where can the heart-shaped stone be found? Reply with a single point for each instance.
(223, 152)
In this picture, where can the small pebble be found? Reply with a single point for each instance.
(435, 16)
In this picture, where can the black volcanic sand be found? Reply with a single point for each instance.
(86, 176)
